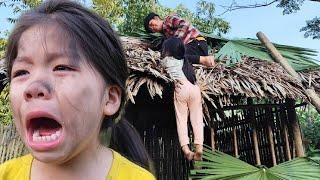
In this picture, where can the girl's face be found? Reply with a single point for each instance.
(58, 101)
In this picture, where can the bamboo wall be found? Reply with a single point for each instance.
(11, 145)
(260, 134)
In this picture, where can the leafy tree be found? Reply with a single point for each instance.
(310, 125)
(3, 44)
(19, 6)
(127, 15)
(312, 29)
(5, 111)
(205, 20)
(112, 10)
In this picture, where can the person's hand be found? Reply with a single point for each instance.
(207, 61)
(178, 85)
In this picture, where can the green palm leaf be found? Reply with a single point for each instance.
(218, 165)
(234, 49)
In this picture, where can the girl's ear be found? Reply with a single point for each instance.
(113, 100)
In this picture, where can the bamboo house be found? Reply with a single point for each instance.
(249, 108)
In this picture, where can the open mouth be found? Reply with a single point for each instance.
(45, 129)
(44, 133)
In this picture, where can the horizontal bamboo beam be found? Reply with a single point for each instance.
(254, 106)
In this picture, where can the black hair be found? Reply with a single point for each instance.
(147, 19)
(92, 37)
(173, 47)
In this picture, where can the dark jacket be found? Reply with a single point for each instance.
(188, 71)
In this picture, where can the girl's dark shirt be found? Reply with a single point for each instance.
(188, 71)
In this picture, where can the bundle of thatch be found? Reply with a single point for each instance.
(251, 78)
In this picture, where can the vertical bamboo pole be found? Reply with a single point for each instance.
(213, 143)
(295, 128)
(254, 132)
(297, 139)
(235, 142)
(256, 146)
(286, 140)
(273, 154)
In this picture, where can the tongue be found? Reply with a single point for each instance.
(45, 131)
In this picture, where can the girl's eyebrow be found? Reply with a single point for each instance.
(55, 55)
(22, 59)
(49, 57)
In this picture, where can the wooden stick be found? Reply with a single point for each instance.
(256, 146)
(286, 140)
(273, 154)
(213, 143)
(235, 142)
(315, 99)
(254, 133)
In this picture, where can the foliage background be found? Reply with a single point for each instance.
(310, 126)
(5, 111)
(127, 15)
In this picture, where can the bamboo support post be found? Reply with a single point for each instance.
(315, 99)
(297, 139)
(286, 140)
(273, 154)
(256, 146)
(235, 142)
(254, 133)
(295, 128)
(213, 143)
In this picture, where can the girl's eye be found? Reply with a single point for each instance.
(19, 73)
(62, 68)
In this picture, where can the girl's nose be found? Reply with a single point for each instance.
(38, 90)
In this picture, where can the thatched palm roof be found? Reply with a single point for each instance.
(251, 78)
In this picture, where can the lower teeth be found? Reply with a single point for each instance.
(38, 138)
